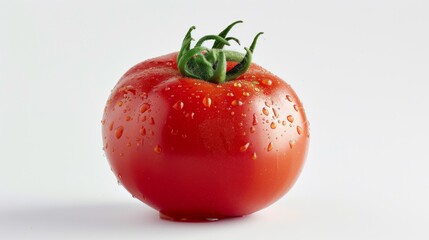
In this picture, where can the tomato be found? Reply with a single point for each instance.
(198, 149)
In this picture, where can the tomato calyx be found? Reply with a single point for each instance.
(209, 64)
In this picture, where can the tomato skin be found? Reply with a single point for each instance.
(196, 150)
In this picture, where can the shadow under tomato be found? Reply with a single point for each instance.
(112, 218)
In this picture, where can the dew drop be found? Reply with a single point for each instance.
(237, 84)
(184, 136)
(290, 118)
(178, 105)
(246, 94)
(128, 118)
(276, 114)
(152, 121)
(190, 115)
(252, 129)
(236, 103)
(143, 131)
(255, 120)
(244, 147)
(144, 107)
(254, 156)
(268, 102)
(129, 144)
(295, 107)
(265, 111)
(120, 103)
(167, 88)
(119, 131)
(298, 130)
(207, 101)
(269, 147)
(144, 118)
(174, 132)
(267, 82)
(111, 126)
(230, 94)
(273, 125)
(157, 149)
(291, 143)
(289, 98)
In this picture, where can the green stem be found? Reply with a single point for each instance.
(210, 64)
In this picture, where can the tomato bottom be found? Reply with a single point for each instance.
(192, 218)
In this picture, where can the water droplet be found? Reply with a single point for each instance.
(273, 125)
(269, 147)
(190, 115)
(157, 149)
(289, 98)
(254, 156)
(118, 132)
(179, 86)
(143, 131)
(120, 103)
(236, 103)
(244, 147)
(232, 113)
(252, 129)
(144, 107)
(167, 88)
(244, 115)
(276, 114)
(111, 126)
(257, 89)
(178, 105)
(298, 130)
(237, 84)
(128, 118)
(144, 118)
(290, 118)
(246, 94)
(152, 121)
(230, 94)
(295, 107)
(129, 144)
(184, 136)
(265, 111)
(291, 143)
(174, 132)
(268, 102)
(255, 121)
(207, 101)
(103, 122)
(284, 123)
(267, 82)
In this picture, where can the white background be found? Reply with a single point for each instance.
(360, 67)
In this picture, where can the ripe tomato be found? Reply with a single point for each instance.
(204, 149)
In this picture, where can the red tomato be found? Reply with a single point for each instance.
(196, 150)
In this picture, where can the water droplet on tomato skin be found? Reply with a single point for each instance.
(254, 156)
(120, 103)
(167, 88)
(244, 147)
(111, 126)
(178, 105)
(207, 101)
(290, 118)
(268, 102)
(246, 94)
(144, 107)
(298, 130)
(230, 94)
(119, 131)
(273, 125)
(174, 132)
(267, 82)
(237, 84)
(157, 149)
(143, 131)
(295, 107)
(128, 118)
(152, 121)
(252, 129)
(236, 103)
(269, 147)
(255, 120)
(291, 143)
(265, 111)
(289, 98)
